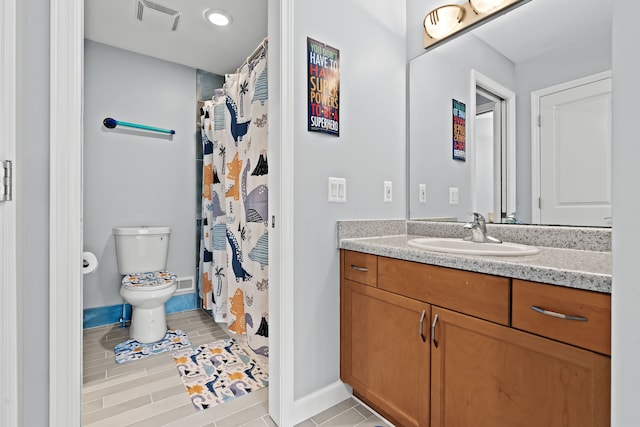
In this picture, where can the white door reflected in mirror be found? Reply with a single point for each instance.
(574, 143)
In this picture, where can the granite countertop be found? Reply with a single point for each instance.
(581, 269)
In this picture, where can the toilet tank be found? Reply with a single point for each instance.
(141, 249)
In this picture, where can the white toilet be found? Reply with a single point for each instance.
(142, 257)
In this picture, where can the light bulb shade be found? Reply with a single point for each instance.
(443, 21)
(486, 6)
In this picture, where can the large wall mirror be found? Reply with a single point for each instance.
(536, 87)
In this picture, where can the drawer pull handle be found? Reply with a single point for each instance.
(422, 316)
(355, 267)
(559, 315)
(433, 331)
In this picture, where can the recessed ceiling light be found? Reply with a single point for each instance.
(217, 17)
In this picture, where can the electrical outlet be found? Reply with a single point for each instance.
(388, 193)
(337, 190)
(453, 195)
(423, 193)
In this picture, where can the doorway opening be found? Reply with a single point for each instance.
(493, 129)
(490, 149)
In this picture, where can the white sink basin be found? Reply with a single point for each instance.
(459, 246)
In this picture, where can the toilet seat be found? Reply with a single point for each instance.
(150, 281)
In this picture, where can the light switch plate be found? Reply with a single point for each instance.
(388, 192)
(453, 195)
(337, 190)
(423, 193)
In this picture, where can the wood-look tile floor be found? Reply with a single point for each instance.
(149, 392)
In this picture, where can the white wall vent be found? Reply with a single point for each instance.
(186, 285)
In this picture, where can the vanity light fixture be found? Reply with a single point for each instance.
(486, 6)
(219, 18)
(443, 21)
(455, 19)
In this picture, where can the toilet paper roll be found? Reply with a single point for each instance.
(89, 262)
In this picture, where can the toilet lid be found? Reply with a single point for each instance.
(153, 280)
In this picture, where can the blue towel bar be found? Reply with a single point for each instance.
(112, 123)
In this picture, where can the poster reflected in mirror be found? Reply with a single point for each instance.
(459, 130)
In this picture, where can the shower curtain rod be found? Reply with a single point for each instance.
(255, 53)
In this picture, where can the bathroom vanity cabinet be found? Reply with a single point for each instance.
(434, 346)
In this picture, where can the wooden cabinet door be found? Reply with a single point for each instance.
(487, 375)
(384, 357)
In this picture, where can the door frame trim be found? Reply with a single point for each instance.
(10, 355)
(65, 213)
(535, 132)
(281, 244)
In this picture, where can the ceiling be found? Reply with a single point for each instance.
(528, 31)
(540, 26)
(195, 43)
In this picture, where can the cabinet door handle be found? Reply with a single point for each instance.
(422, 316)
(558, 315)
(433, 331)
(355, 267)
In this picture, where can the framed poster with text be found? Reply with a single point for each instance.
(459, 130)
(323, 88)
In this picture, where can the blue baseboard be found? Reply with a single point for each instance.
(100, 316)
(108, 315)
(183, 302)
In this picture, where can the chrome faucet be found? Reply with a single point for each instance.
(479, 230)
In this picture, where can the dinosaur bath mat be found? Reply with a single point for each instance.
(133, 350)
(217, 372)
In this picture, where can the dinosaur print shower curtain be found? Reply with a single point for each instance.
(234, 259)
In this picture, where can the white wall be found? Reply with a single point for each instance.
(371, 149)
(435, 79)
(134, 177)
(626, 210)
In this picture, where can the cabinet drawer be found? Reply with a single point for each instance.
(361, 268)
(588, 327)
(479, 295)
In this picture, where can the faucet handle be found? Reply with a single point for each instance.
(479, 229)
(477, 217)
(479, 221)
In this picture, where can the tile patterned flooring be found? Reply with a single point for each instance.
(149, 392)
